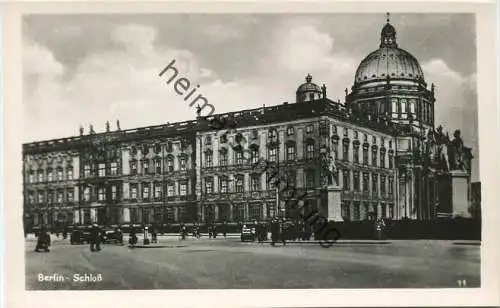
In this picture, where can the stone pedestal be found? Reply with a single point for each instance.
(459, 193)
(334, 203)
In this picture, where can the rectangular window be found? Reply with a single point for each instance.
(40, 176)
(255, 182)
(309, 129)
(365, 156)
(272, 154)
(290, 152)
(356, 181)
(374, 183)
(49, 176)
(170, 190)
(208, 140)
(157, 191)
(59, 197)
(223, 185)
(31, 197)
(134, 217)
(70, 196)
(158, 166)
(223, 158)
(391, 161)
(59, 174)
(113, 192)
(255, 211)
(170, 164)
(209, 185)
(101, 194)
(382, 185)
(310, 183)
(86, 194)
(208, 159)
(145, 191)
(309, 151)
(382, 159)
(133, 167)
(239, 183)
(31, 178)
(290, 131)
(335, 149)
(255, 155)
(345, 151)
(40, 197)
(347, 180)
(114, 168)
(366, 187)
(238, 157)
(183, 189)
(391, 185)
(183, 163)
(145, 166)
(355, 151)
(133, 192)
(374, 158)
(102, 170)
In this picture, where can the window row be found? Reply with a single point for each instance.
(378, 156)
(154, 166)
(51, 175)
(363, 178)
(50, 197)
(101, 169)
(157, 148)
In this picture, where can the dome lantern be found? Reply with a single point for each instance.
(388, 35)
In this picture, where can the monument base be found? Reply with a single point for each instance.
(460, 190)
(334, 203)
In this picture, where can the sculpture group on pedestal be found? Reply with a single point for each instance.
(453, 152)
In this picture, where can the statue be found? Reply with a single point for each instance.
(329, 168)
(198, 110)
(118, 124)
(107, 126)
(456, 152)
(323, 90)
(81, 130)
(91, 129)
(346, 92)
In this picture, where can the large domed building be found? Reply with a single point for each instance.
(390, 84)
(376, 155)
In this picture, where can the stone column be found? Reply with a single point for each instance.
(216, 213)
(264, 211)
(76, 217)
(460, 200)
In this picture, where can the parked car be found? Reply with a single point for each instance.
(79, 237)
(248, 234)
(112, 237)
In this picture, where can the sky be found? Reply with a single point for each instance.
(89, 69)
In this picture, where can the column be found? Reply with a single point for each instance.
(216, 213)
(246, 215)
(264, 211)
(125, 215)
(76, 217)
(93, 215)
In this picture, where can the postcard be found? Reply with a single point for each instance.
(250, 154)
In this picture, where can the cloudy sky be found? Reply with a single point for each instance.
(82, 69)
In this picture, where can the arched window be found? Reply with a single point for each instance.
(223, 157)
(310, 149)
(170, 163)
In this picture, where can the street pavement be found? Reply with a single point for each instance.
(228, 263)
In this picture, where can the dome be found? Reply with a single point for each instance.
(308, 91)
(389, 61)
(308, 86)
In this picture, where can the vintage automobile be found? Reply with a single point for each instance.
(248, 234)
(112, 237)
(79, 236)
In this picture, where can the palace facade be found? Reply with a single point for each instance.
(390, 160)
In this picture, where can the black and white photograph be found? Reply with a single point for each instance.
(250, 151)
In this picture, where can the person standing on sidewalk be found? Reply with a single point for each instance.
(95, 238)
(379, 226)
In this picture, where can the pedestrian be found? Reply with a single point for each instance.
(380, 225)
(274, 231)
(214, 231)
(183, 232)
(132, 239)
(95, 238)
(154, 236)
(43, 240)
(225, 228)
(209, 226)
(283, 233)
(65, 233)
